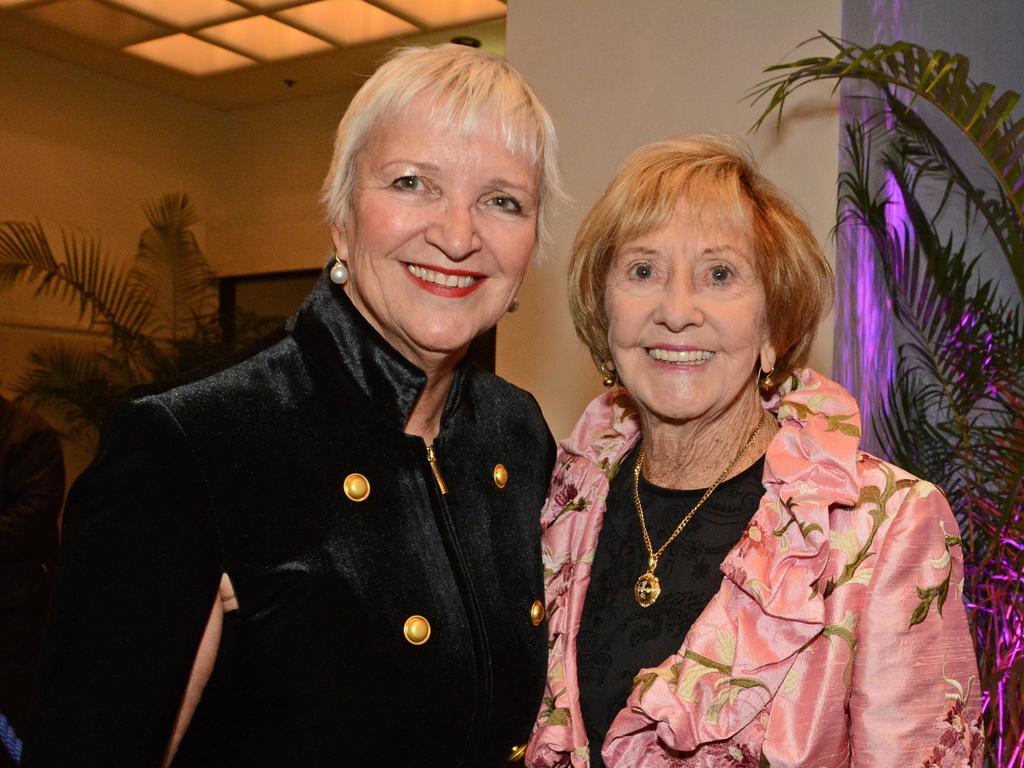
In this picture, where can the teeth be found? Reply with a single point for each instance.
(451, 281)
(696, 357)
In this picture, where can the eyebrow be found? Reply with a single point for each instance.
(717, 249)
(415, 163)
(500, 181)
(638, 250)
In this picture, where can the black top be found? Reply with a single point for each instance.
(617, 637)
(244, 472)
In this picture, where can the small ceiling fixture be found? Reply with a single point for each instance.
(472, 42)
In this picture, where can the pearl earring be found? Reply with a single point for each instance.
(339, 272)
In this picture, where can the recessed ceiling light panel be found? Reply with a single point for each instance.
(187, 54)
(445, 13)
(185, 13)
(348, 22)
(265, 38)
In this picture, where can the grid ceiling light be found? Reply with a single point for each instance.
(185, 13)
(444, 13)
(189, 54)
(269, 5)
(264, 38)
(96, 21)
(347, 22)
(206, 37)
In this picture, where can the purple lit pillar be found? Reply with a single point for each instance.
(864, 354)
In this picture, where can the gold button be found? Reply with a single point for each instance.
(516, 753)
(500, 476)
(357, 487)
(416, 630)
(536, 613)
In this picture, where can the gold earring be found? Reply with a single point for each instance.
(766, 380)
(608, 369)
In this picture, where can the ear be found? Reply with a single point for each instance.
(340, 241)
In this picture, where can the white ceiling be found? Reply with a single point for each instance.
(234, 53)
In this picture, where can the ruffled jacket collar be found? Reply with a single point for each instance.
(358, 360)
(768, 608)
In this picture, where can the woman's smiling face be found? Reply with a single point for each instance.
(686, 317)
(441, 231)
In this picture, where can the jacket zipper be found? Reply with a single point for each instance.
(482, 644)
(432, 458)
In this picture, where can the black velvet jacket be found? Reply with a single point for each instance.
(244, 473)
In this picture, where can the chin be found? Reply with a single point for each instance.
(443, 342)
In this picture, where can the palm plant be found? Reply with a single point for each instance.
(953, 411)
(156, 316)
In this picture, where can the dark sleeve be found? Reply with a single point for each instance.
(33, 491)
(138, 572)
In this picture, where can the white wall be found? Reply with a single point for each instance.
(616, 75)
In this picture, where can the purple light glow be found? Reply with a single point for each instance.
(864, 361)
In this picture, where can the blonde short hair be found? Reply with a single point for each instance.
(718, 178)
(465, 86)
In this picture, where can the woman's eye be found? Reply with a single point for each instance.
(641, 271)
(409, 183)
(720, 274)
(506, 203)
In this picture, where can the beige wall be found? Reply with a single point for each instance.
(82, 149)
(616, 75)
(271, 161)
(85, 151)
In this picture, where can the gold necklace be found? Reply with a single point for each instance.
(647, 586)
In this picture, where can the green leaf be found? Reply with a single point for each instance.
(644, 682)
(704, 661)
(558, 716)
(920, 613)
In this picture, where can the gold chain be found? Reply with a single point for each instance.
(647, 586)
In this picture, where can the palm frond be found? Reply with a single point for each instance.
(938, 77)
(169, 255)
(82, 277)
(81, 386)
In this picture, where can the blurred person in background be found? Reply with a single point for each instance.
(31, 495)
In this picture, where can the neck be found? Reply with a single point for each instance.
(425, 419)
(694, 453)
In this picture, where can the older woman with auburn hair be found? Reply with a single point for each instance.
(730, 580)
(328, 554)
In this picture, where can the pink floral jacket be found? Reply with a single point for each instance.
(838, 636)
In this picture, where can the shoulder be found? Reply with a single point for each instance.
(255, 388)
(500, 400)
(896, 492)
(910, 534)
(489, 386)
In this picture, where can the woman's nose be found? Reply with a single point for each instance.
(679, 305)
(455, 233)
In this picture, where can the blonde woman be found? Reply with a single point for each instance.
(329, 554)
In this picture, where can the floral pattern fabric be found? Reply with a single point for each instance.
(838, 636)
